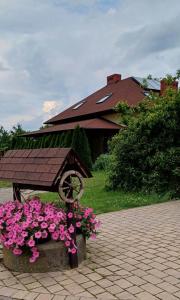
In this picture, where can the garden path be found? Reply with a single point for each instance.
(136, 256)
(7, 194)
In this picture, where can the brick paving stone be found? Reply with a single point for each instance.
(168, 287)
(81, 278)
(58, 297)
(166, 296)
(152, 279)
(63, 293)
(106, 295)
(66, 282)
(10, 281)
(19, 286)
(126, 296)
(146, 296)
(95, 290)
(31, 296)
(7, 291)
(123, 283)
(55, 288)
(151, 288)
(114, 289)
(74, 288)
(171, 280)
(104, 283)
(40, 290)
(85, 294)
(134, 290)
(44, 297)
(5, 275)
(136, 280)
(157, 273)
(20, 294)
(94, 276)
(33, 285)
(29, 279)
(88, 284)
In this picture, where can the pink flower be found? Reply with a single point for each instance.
(17, 251)
(52, 227)
(67, 243)
(31, 243)
(36, 254)
(62, 237)
(73, 250)
(40, 219)
(38, 235)
(93, 236)
(44, 225)
(32, 259)
(70, 215)
(71, 228)
(55, 235)
(78, 224)
(24, 234)
(35, 224)
(44, 234)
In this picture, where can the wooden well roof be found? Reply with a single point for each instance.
(39, 167)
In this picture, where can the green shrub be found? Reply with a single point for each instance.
(146, 154)
(102, 162)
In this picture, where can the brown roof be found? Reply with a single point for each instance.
(96, 123)
(124, 90)
(39, 167)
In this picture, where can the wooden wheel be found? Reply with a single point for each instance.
(71, 186)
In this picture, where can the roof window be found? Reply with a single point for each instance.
(78, 105)
(104, 98)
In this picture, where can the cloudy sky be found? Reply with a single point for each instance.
(55, 52)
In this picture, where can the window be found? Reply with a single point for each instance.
(78, 105)
(104, 98)
(146, 93)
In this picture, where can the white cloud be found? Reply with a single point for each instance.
(49, 105)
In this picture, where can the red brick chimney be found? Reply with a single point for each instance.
(165, 85)
(114, 78)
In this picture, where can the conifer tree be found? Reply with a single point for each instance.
(81, 146)
(68, 139)
(61, 141)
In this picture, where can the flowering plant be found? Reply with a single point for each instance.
(86, 221)
(24, 225)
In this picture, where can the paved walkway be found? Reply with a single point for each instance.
(136, 256)
(6, 194)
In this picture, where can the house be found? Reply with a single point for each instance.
(96, 113)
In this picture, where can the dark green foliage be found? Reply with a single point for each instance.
(102, 162)
(146, 154)
(81, 145)
(52, 141)
(62, 140)
(68, 138)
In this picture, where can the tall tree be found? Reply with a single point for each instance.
(81, 146)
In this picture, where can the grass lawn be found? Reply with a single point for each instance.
(5, 184)
(106, 201)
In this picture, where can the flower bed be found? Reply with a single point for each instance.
(24, 226)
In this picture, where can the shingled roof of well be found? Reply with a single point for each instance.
(38, 167)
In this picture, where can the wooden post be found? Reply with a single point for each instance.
(16, 192)
(73, 258)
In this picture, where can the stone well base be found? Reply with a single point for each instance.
(53, 257)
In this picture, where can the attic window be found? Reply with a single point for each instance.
(104, 98)
(146, 93)
(78, 105)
